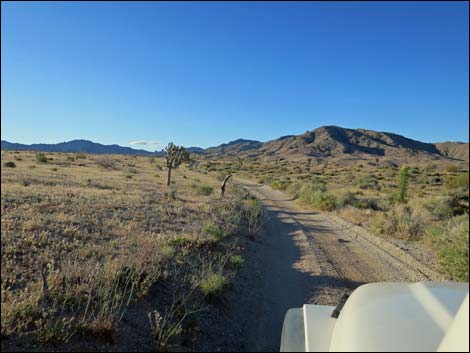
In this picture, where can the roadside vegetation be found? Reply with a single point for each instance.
(86, 250)
(425, 205)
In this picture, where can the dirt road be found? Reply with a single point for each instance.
(308, 257)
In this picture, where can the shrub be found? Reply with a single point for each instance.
(347, 198)
(214, 284)
(443, 207)
(203, 189)
(80, 155)
(41, 158)
(213, 230)
(458, 181)
(106, 162)
(279, 184)
(236, 261)
(368, 182)
(452, 168)
(402, 221)
(451, 241)
(9, 164)
(253, 212)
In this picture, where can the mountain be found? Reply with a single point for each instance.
(327, 142)
(75, 146)
(233, 148)
(455, 150)
(343, 145)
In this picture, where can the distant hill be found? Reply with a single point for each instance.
(233, 148)
(455, 150)
(327, 142)
(76, 146)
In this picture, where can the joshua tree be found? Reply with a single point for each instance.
(404, 180)
(175, 155)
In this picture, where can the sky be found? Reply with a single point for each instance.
(142, 74)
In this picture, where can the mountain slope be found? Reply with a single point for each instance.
(344, 144)
(455, 150)
(233, 148)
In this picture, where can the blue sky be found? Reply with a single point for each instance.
(201, 74)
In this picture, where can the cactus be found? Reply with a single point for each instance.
(174, 155)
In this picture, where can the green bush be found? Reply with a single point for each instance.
(279, 184)
(213, 230)
(9, 164)
(253, 214)
(203, 189)
(452, 240)
(41, 158)
(456, 182)
(80, 155)
(214, 284)
(368, 182)
(402, 221)
(236, 261)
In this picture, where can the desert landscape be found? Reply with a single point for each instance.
(98, 246)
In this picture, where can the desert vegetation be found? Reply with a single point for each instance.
(89, 252)
(424, 205)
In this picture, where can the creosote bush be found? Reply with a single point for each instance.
(41, 158)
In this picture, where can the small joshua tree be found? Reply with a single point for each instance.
(404, 181)
(175, 155)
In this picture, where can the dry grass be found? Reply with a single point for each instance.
(81, 240)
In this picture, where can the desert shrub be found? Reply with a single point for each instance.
(433, 180)
(317, 196)
(202, 189)
(41, 158)
(279, 184)
(261, 179)
(213, 230)
(346, 198)
(402, 221)
(451, 240)
(367, 203)
(214, 284)
(70, 158)
(368, 182)
(452, 168)
(253, 214)
(236, 261)
(106, 162)
(444, 207)
(9, 164)
(228, 214)
(458, 181)
(294, 189)
(80, 155)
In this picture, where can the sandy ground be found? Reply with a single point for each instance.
(302, 257)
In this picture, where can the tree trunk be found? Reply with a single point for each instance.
(222, 187)
(169, 177)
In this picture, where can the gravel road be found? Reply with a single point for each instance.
(305, 257)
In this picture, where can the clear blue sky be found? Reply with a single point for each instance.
(201, 74)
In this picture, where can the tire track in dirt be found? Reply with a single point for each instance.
(313, 257)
